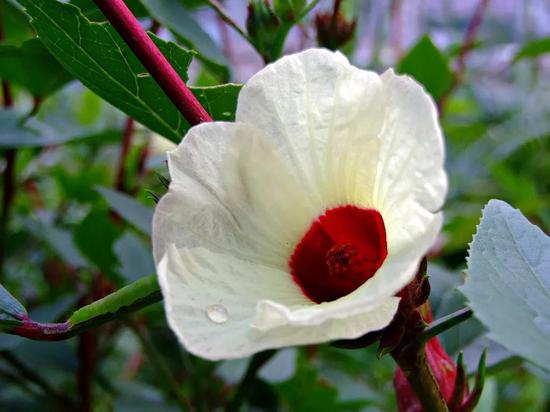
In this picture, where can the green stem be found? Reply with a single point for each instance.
(245, 386)
(279, 43)
(135, 296)
(444, 323)
(411, 358)
(306, 10)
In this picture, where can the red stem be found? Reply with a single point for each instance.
(471, 33)
(42, 331)
(142, 160)
(87, 354)
(124, 150)
(154, 61)
(9, 171)
(6, 93)
(467, 46)
(396, 26)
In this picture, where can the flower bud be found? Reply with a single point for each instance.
(333, 30)
(262, 25)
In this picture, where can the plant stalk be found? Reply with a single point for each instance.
(222, 14)
(159, 364)
(467, 46)
(411, 358)
(8, 187)
(127, 135)
(245, 386)
(441, 325)
(154, 61)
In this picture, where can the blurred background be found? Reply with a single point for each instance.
(80, 199)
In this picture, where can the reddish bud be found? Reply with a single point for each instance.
(333, 30)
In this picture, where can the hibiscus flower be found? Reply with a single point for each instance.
(300, 221)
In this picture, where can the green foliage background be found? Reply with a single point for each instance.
(75, 232)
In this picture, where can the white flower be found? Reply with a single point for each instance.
(276, 227)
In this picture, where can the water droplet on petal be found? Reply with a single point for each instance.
(217, 313)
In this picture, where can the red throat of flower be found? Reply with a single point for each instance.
(342, 249)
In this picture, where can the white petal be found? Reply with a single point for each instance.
(194, 280)
(396, 272)
(326, 116)
(232, 192)
(318, 134)
(357, 138)
(411, 183)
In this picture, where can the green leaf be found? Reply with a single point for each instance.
(533, 49)
(32, 67)
(140, 293)
(131, 210)
(95, 237)
(92, 12)
(37, 133)
(10, 308)
(305, 392)
(135, 257)
(220, 101)
(60, 240)
(182, 24)
(16, 26)
(508, 284)
(12, 134)
(97, 56)
(429, 66)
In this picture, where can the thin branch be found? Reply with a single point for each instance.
(446, 322)
(412, 360)
(8, 193)
(87, 368)
(127, 135)
(159, 364)
(8, 187)
(143, 292)
(222, 14)
(245, 386)
(306, 10)
(467, 46)
(471, 34)
(154, 61)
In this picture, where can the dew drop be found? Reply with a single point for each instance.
(217, 313)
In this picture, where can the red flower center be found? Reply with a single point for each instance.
(342, 249)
